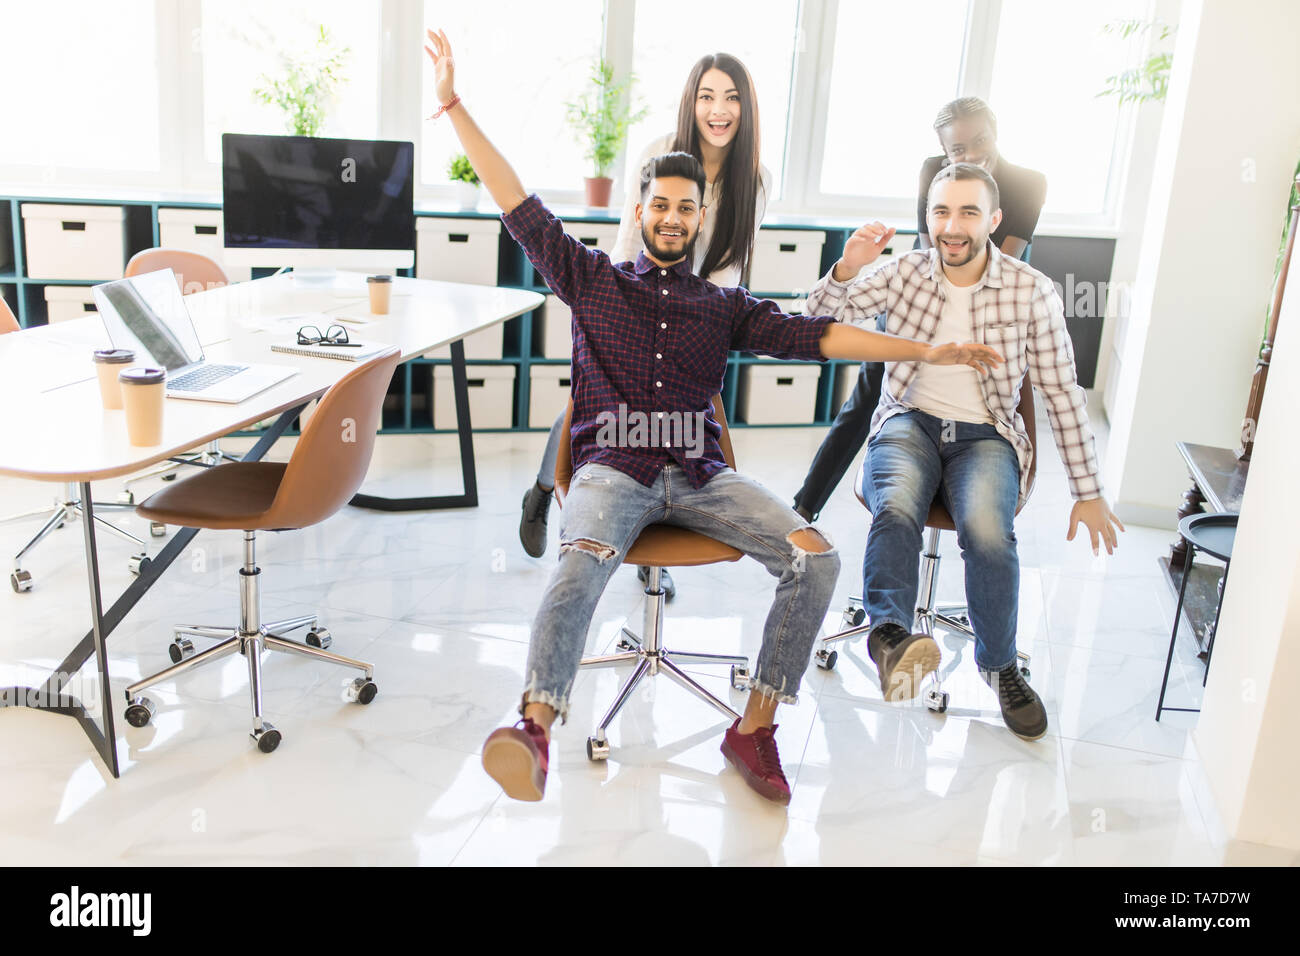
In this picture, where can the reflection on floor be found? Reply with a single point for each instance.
(442, 603)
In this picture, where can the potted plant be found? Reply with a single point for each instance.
(601, 117)
(460, 172)
(306, 86)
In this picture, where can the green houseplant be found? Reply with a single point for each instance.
(460, 172)
(601, 117)
(1148, 81)
(306, 85)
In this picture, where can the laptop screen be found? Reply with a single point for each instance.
(146, 314)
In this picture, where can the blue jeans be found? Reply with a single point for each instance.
(605, 510)
(911, 460)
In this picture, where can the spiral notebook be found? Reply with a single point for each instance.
(342, 353)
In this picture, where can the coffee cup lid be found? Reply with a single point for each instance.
(114, 356)
(142, 376)
(379, 278)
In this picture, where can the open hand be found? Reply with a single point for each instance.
(864, 247)
(1100, 521)
(979, 357)
(444, 66)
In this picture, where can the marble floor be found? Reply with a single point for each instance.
(441, 603)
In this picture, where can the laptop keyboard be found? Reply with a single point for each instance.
(203, 377)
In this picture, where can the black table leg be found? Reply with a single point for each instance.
(1173, 638)
(50, 696)
(469, 478)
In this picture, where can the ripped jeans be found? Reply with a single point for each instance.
(606, 510)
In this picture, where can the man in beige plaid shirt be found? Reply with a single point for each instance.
(956, 435)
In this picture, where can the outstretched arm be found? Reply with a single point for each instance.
(841, 341)
(497, 175)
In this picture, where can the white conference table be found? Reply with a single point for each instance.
(55, 428)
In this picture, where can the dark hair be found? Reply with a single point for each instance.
(739, 180)
(956, 171)
(672, 164)
(963, 107)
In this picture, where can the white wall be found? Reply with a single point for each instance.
(1229, 142)
(1246, 734)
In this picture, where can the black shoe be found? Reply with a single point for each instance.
(532, 522)
(665, 580)
(1022, 708)
(804, 513)
(903, 660)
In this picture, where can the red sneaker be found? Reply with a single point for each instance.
(516, 758)
(755, 756)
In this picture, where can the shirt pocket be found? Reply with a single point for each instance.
(1009, 340)
(700, 350)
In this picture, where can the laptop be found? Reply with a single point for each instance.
(147, 314)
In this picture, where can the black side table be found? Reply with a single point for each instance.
(1214, 534)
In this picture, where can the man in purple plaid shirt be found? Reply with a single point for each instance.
(945, 434)
(650, 345)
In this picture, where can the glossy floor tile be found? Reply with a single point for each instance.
(441, 605)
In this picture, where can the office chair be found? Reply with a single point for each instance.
(327, 466)
(195, 272)
(66, 508)
(658, 546)
(952, 617)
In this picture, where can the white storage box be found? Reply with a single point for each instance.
(778, 393)
(790, 306)
(66, 302)
(556, 329)
(491, 396)
(457, 250)
(487, 344)
(74, 242)
(786, 260)
(594, 235)
(548, 393)
(201, 231)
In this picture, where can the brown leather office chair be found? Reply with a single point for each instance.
(327, 467)
(656, 547)
(952, 617)
(195, 272)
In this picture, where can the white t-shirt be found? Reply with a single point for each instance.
(629, 244)
(951, 392)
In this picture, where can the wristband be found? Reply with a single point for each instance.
(444, 108)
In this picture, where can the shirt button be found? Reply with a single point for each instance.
(663, 272)
(663, 325)
(659, 355)
(661, 414)
(659, 384)
(665, 291)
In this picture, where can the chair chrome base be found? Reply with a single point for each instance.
(951, 617)
(70, 508)
(250, 638)
(652, 658)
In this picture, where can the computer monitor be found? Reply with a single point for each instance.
(316, 203)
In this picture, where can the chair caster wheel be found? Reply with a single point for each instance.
(138, 564)
(268, 738)
(597, 750)
(180, 649)
(157, 529)
(126, 498)
(826, 659)
(937, 700)
(319, 637)
(739, 677)
(362, 690)
(140, 711)
(853, 616)
(625, 645)
(1024, 672)
(20, 581)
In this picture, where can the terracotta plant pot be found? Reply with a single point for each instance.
(598, 190)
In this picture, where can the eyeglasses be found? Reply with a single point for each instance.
(334, 335)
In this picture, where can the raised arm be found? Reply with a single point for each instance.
(497, 175)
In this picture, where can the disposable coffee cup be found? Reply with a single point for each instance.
(108, 363)
(381, 291)
(142, 393)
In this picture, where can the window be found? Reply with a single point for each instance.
(761, 34)
(516, 77)
(1060, 127)
(242, 40)
(895, 65)
(95, 67)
